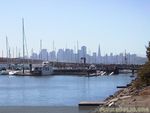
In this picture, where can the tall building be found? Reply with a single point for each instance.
(99, 58)
(52, 56)
(43, 54)
(84, 51)
(60, 55)
(94, 57)
(99, 51)
(68, 55)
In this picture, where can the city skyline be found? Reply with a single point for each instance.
(81, 55)
(17, 52)
(116, 25)
(76, 55)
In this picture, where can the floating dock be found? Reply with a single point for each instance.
(90, 103)
(121, 86)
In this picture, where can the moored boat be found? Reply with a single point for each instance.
(13, 72)
(45, 69)
(4, 72)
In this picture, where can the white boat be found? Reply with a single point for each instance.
(45, 69)
(92, 74)
(13, 72)
(4, 72)
(103, 73)
(111, 73)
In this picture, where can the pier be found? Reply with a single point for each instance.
(67, 68)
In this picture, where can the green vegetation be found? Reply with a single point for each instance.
(148, 52)
(144, 72)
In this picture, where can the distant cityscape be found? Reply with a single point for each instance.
(81, 55)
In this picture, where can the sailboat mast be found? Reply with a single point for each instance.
(23, 37)
(7, 49)
(16, 54)
(77, 52)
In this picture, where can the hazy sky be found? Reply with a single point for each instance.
(114, 24)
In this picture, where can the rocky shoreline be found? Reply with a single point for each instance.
(127, 98)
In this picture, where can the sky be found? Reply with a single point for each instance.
(117, 25)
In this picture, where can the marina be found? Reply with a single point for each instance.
(40, 67)
(74, 56)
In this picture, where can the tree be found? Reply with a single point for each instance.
(144, 72)
(148, 52)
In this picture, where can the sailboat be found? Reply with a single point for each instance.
(45, 68)
(5, 71)
(23, 37)
(23, 40)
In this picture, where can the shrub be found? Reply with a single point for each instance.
(144, 72)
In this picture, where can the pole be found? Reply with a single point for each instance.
(23, 34)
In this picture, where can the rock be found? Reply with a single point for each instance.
(133, 100)
(110, 104)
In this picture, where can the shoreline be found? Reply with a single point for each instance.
(129, 97)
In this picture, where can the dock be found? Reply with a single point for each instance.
(26, 73)
(91, 103)
(121, 86)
